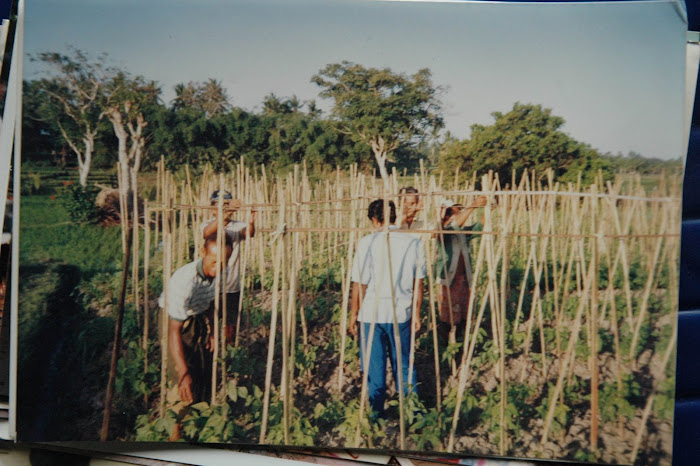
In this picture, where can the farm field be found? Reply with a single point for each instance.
(568, 347)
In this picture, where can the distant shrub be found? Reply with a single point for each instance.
(30, 183)
(79, 201)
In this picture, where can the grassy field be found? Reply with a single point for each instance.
(64, 269)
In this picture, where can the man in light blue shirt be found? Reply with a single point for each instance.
(387, 275)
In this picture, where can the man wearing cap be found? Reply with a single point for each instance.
(189, 303)
(453, 265)
(387, 290)
(236, 231)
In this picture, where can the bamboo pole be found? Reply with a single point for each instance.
(219, 286)
(116, 345)
(273, 323)
(594, 328)
(670, 349)
(167, 273)
(146, 306)
(568, 354)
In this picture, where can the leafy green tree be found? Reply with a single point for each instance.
(528, 137)
(209, 97)
(380, 108)
(74, 95)
(636, 162)
(41, 137)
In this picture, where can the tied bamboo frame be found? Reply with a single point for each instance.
(560, 233)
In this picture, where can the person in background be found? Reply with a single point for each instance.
(387, 287)
(453, 264)
(409, 200)
(237, 232)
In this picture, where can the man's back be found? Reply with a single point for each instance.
(389, 269)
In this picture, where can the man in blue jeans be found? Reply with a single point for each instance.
(387, 290)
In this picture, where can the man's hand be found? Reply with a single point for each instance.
(210, 342)
(352, 326)
(479, 201)
(416, 324)
(229, 208)
(185, 388)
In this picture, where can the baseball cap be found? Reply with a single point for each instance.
(225, 194)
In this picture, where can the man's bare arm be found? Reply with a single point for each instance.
(358, 292)
(213, 226)
(177, 352)
(417, 303)
(463, 215)
(250, 229)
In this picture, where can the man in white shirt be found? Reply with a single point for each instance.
(387, 288)
(237, 232)
(190, 305)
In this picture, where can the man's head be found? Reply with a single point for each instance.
(376, 211)
(449, 209)
(211, 251)
(410, 200)
(214, 199)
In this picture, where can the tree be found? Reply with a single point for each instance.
(527, 137)
(185, 96)
(210, 97)
(40, 135)
(125, 105)
(75, 91)
(380, 108)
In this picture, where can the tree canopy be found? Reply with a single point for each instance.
(528, 137)
(84, 107)
(380, 108)
(73, 101)
(210, 97)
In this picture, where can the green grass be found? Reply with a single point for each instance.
(47, 233)
(59, 334)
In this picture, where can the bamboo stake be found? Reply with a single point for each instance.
(146, 306)
(135, 246)
(569, 351)
(219, 286)
(594, 331)
(116, 345)
(167, 273)
(650, 401)
(273, 324)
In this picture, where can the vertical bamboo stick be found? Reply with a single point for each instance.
(146, 264)
(219, 286)
(273, 324)
(594, 324)
(167, 273)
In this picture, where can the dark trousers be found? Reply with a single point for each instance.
(383, 344)
(196, 331)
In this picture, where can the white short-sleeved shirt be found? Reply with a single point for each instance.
(190, 292)
(236, 231)
(371, 267)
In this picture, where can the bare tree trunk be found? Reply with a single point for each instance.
(85, 161)
(381, 152)
(115, 117)
(84, 156)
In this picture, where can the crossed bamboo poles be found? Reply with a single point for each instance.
(563, 234)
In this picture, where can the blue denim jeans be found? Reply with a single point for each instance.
(383, 342)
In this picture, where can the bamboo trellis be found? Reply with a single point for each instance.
(563, 239)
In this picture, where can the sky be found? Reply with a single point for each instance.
(613, 71)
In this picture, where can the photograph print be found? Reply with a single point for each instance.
(445, 228)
